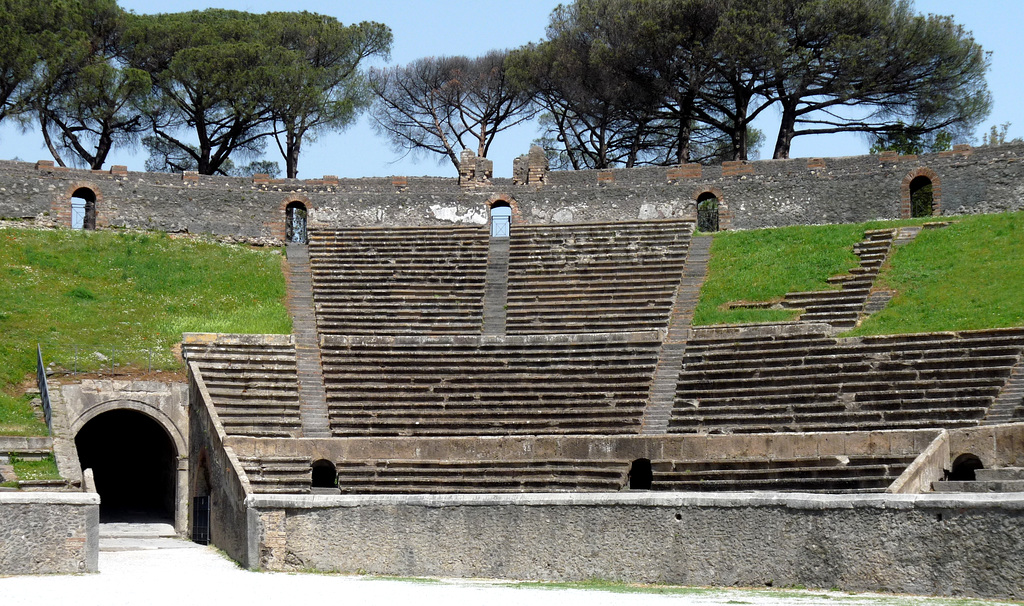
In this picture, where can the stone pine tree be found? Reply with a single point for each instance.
(441, 105)
(87, 100)
(323, 87)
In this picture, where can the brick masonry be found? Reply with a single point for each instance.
(759, 194)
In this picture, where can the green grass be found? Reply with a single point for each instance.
(969, 275)
(43, 469)
(765, 264)
(126, 295)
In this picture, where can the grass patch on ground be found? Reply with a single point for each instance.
(42, 469)
(762, 265)
(967, 276)
(765, 264)
(126, 295)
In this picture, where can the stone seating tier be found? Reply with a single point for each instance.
(436, 476)
(806, 383)
(420, 386)
(280, 475)
(253, 387)
(824, 474)
(399, 280)
(608, 277)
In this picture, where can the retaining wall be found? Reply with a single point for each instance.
(755, 194)
(49, 532)
(924, 544)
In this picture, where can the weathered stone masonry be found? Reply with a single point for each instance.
(755, 194)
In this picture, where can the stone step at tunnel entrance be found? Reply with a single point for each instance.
(134, 463)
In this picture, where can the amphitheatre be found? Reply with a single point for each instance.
(503, 378)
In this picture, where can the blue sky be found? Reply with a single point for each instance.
(424, 28)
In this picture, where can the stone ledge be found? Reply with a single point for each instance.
(49, 498)
(1009, 501)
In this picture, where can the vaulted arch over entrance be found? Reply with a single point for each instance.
(135, 464)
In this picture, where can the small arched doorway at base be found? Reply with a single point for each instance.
(964, 468)
(134, 463)
(641, 476)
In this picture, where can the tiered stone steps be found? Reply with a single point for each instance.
(842, 308)
(281, 475)
(1009, 404)
(594, 277)
(1002, 479)
(254, 386)
(534, 385)
(813, 474)
(813, 382)
(496, 291)
(412, 280)
(485, 476)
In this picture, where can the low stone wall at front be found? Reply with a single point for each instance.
(49, 532)
(923, 544)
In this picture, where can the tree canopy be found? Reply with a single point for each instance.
(626, 82)
(442, 105)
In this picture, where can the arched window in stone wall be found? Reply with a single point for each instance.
(641, 477)
(920, 194)
(83, 209)
(501, 219)
(296, 217)
(922, 197)
(325, 474)
(707, 212)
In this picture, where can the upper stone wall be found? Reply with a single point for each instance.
(766, 193)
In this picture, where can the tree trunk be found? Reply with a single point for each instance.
(786, 130)
(293, 143)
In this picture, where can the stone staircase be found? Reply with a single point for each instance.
(1003, 479)
(811, 381)
(603, 277)
(842, 308)
(478, 385)
(1009, 404)
(413, 280)
(673, 348)
(312, 397)
(496, 290)
(853, 474)
(253, 386)
(481, 476)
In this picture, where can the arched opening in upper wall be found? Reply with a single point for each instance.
(134, 462)
(83, 209)
(296, 217)
(501, 219)
(922, 197)
(707, 212)
(920, 194)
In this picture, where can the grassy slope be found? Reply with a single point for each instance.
(121, 294)
(765, 264)
(969, 275)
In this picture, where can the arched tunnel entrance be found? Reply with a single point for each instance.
(134, 463)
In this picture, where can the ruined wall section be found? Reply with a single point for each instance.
(751, 194)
